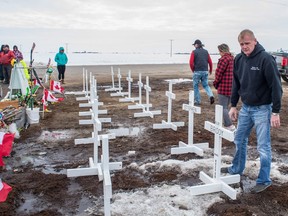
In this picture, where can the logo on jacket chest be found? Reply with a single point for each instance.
(254, 68)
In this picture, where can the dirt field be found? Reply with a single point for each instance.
(37, 167)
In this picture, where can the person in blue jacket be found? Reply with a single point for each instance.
(61, 60)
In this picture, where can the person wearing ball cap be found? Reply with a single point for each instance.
(199, 61)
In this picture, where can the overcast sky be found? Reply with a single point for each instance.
(141, 26)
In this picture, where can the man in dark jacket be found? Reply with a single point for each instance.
(199, 61)
(257, 81)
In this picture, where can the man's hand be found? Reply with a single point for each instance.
(275, 121)
(233, 114)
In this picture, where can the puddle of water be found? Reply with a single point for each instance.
(131, 131)
(85, 201)
(40, 162)
(59, 135)
(30, 203)
(181, 80)
(51, 170)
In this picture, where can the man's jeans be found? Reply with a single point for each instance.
(224, 101)
(203, 77)
(249, 116)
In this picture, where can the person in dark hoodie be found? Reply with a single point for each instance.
(256, 81)
(61, 60)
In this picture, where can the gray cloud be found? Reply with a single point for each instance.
(107, 22)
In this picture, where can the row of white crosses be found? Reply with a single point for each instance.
(92, 93)
(216, 183)
(140, 105)
(103, 167)
(145, 107)
(90, 96)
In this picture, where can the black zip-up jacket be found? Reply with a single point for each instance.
(256, 80)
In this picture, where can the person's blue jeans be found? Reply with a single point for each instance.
(201, 76)
(224, 101)
(259, 117)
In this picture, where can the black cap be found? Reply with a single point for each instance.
(198, 42)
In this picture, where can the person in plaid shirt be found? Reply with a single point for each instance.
(223, 82)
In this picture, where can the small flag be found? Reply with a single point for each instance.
(49, 97)
(6, 140)
(56, 87)
(4, 191)
(44, 101)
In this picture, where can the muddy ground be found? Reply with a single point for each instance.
(37, 166)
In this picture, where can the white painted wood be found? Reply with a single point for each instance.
(113, 88)
(129, 98)
(190, 147)
(216, 183)
(146, 112)
(119, 92)
(169, 124)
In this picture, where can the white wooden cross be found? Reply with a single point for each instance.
(94, 110)
(129, 98)
(145, 110)
(93, 95)
(94, 166)
(119, 92)
(86, 83)
(113, 88)
(169, 124)
(85, 88)
(217, 183)
(190, 147)
(102, 170)
(107, 184)
(139, 105)
(87, 94)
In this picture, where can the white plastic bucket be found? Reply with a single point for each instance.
(33, 115)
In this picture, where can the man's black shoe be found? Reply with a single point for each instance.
(259, 188)
(212, 100)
